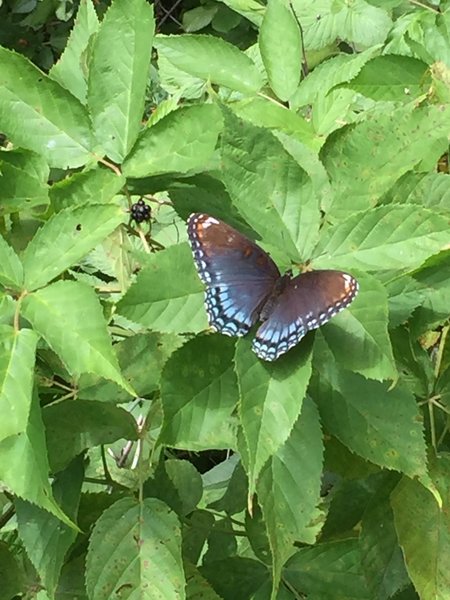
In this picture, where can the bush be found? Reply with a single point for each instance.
(181, 465)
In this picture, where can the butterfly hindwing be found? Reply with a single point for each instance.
(306, 302)
(238, 275)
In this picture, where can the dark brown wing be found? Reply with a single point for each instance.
(238, 274)
(307, 302)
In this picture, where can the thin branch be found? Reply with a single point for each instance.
(168, 14)
(440, 352)
(7, 516)
(17, 311)
(109, 164)
(105, 466)
(272, 100)
(235, 521)
(432, 425)
(425, 6)
(151, 198)
(441, 406)
(442, 436)
(110, 484)
(143, 240)
(305, 68)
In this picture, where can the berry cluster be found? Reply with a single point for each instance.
(140, 211)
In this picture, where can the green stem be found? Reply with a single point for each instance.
(440, 352)
(425, 6)
(432, 425)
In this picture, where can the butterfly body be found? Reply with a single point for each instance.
(244, 285)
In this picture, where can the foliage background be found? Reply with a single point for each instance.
(141, 456)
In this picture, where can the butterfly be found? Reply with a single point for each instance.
(244, 285)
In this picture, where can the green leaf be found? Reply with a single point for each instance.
(289, 488)
(203, 193)
(7, 308)
(434, 277)
(71, 69)
(281, 48)
(344, 463)
(265, 113)
(358, 22)
(11, 575)
(226, 20)
(431, 190)
(405, 294)
(380, 424)
(409, 593)
(165, 303)
(391, 77)
(339, 107)
(199, 17)
(365, 160)
(440, 79)
(69, 316)
(237, 578)
(265, 184)
(413, 362)
(331, 112)
(221, 543)
(95, 186)
(24, 467)
(23, 181)
(250, 9)
(66, 238)
(183, 140)
(199, 393)
(358, 338)
(116, 88)
(423, 530)
(177, 83)
(74, 425)
(266, 421)
(309, 161)
(383, 238)
(382, 558)
(345, 500)
(38, 114)
(45, 538)
(197, 588)
(141, 359)
(257, 535)
(17, 356)
(71, 581)
(329, 74)
(423, 34)
(329, 571)
(211, 58)
(197, 529)
(178, 484)
(230, 476)
(153, 566)
(11, 271)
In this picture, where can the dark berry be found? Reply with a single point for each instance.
(140, 211)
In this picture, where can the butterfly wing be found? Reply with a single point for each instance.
(307, 302)
(238, 274)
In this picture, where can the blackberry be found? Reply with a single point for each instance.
(140, 211)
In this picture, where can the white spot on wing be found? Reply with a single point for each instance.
(209, 221)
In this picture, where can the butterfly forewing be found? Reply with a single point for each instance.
(239, 276)
(307, 302)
